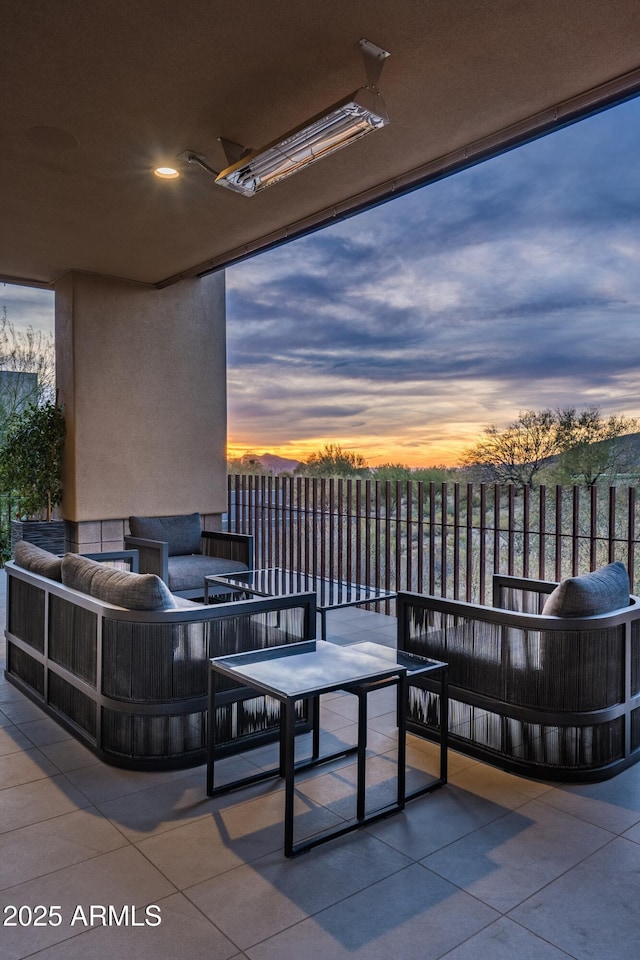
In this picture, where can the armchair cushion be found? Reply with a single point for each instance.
(182, 533)
(600, 591)
(187, 573)
(135, 591)
(34, 558)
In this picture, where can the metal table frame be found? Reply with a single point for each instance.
(420, 672)
(378, 671)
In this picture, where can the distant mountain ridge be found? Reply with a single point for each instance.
(274, 463)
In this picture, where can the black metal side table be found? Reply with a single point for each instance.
(304, 671)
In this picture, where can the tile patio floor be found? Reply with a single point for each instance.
(491, 867)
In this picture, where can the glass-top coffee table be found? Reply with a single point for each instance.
(276, 582)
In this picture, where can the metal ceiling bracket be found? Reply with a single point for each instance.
(190, 156)
(233, 151)
(374, 58)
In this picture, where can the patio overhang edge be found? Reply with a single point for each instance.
(588, 103)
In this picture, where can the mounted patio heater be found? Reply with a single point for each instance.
(346, 121)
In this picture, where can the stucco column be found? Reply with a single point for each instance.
(142, 376)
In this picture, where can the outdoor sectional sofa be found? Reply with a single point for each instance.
(122, 664)
(546, 682)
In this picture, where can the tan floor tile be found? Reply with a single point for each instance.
(48, 846)
(122, 877)
(39, 800)
(257, 900)
(182, 932)
(412, 915)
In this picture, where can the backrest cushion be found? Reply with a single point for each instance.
(135, 591)
(182, 533)
(601, 591)
(37, 560)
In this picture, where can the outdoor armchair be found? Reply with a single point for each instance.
(551, 695)
(182, 554)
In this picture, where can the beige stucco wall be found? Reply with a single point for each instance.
(142, 375)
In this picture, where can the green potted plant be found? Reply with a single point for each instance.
(31, 473)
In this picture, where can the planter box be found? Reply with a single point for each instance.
(48, 534)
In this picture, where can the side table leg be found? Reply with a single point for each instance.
(315, 720)
(211, 725)
(362, 753)
(402, 707)
(444, 724)
(287, 764)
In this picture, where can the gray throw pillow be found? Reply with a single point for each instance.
(135, 591)
(182, 533)
(593, 593)
(34, 558)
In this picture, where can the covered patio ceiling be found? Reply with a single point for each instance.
(96, 94)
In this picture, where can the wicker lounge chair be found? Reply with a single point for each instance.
(554, 696)
(181, 553)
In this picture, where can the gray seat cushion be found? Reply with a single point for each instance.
(135, 591)
(34, 558)
(182, 533)
(188, 573)
(600, 591)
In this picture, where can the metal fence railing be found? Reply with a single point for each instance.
(440, 538)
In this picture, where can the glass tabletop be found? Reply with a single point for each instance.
(299, 670)
(412, 662)
(277, 582)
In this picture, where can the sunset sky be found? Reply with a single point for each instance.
(403, 331)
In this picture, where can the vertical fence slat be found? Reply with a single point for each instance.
(367, 532)
(339, 527)
(408, 583)
(511, 531)
(400, 535)
(276, 521)
(349, 531)
(496, 528)
(542, 526)
(387, 535)
(444, 517)
(482, 589)
(558, 533)
(456, 540)
(631, 535)
(526, 535)
(611, 553)
(432, 538)
(378, 535)
(420, 538)
(468, 593)
(593, 529)
(575, 531)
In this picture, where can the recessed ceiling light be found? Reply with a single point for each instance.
(166, 173)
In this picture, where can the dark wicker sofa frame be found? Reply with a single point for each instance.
(132, 685)
(548, 697)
